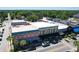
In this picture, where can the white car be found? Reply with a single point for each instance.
(78, 35)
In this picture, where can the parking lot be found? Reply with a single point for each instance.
(55, 46)
(62, 46)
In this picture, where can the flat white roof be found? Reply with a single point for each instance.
(60, 25)
(17, 21)
(21, 28)
(42, 24)
(33, 26)
(36, 26)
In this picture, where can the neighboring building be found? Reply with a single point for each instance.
(75, 28)
(61, 26)
(76, 16)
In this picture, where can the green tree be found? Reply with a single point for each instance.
(11, 39)
(23, 42)
(30, 14)
(76, 43)
(32, 18)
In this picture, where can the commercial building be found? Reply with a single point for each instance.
(61, 26)
(31, 31)
(27, 30)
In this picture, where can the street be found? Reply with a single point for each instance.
(4, 47)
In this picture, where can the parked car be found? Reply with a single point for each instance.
(0, 24)
(54, 40)
(36, 43)
(1, 35)
(46, 43)
(0, 38)
(29, 49)
(67, 40)
(2, 31)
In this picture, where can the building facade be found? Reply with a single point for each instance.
(32, 31)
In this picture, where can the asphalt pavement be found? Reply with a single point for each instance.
(4, 47)
(62, 46)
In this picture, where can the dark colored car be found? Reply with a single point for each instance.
(1, 35)
(36, 43)
(29, 49)
(67, 40)
(46, 43)
(2, 29)
(0, 39)
(53, 40)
